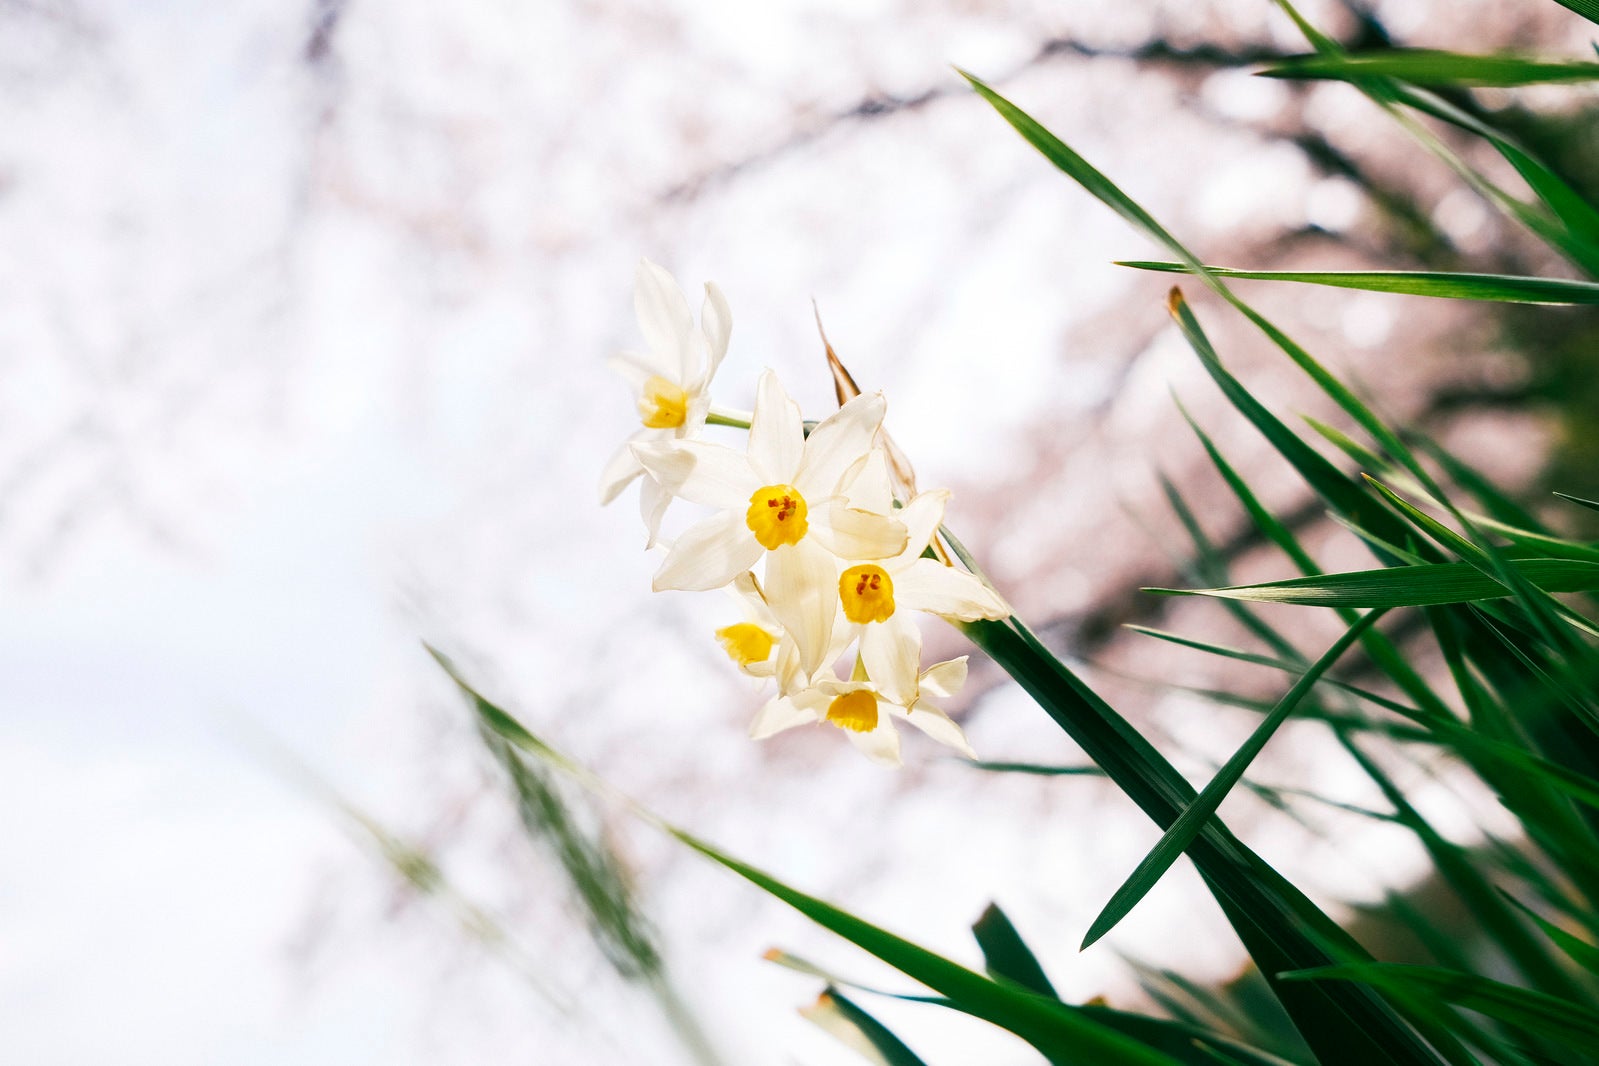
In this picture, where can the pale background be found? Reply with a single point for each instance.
(303, 313)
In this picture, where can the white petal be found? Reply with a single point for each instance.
(777, 435)
(938, 725)
(852, 535)
(929, 585)
(652, 503)
(778, 715)
(843, 634)
(881, 745)
(891, 651)
(619, 471)
(637, 369)
(708, 555)
(802, 590)
(664, 316)
(749, 595)
(836, 443)
(866, 484)
(922, 517)
(716, 322)
(790, 674)
(699, 405)
(712, 474)
(944, 679)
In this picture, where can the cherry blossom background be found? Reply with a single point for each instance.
(303, 314)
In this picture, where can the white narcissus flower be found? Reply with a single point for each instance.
(671, 381)
(877, 597)
(751, 644)
(866, 714)
(777, 499)
(758, 645)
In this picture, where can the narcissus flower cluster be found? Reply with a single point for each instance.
(804, 529)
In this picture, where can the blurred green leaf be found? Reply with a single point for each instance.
(1424, 584)
(1425, 66)
(1034, 768)
(1051, 1027)
(1502, 288)
(837, 1016)
(1577, 949)
(1535, 1012)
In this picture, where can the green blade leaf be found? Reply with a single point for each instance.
(837, 1016)
(1422, 585)
(1588, 9)
(1577, 949)
(1425, 66)
(1501, 288)
(1049, 1026)
(1592, 505)
(1191, 1044)
(1563, 219)
(1274, 919)
(1548, 1016)
(1182, 832)
(1007, 954)
(1057, 1031)
(1038, 769)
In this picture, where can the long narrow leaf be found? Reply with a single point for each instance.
(1588, 9)
(1426, 584)
(1498, 288)
(1007, 955)
(1592, 505)
(1274, 919)
(1548, 1016)
(839, 1017)
(1055, 1030)
(1425, 66)
(1182, 832)
(1577, 949)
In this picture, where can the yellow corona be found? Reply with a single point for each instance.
(777, 516)
(867, 593)
(746, 643)
(855, 711)
(662, 405)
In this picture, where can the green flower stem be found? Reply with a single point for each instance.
(718, 416)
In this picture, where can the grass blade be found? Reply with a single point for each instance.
(1592, 505)
(1422, 585)
(1534, 1012)
(1054, 1029)
(1180, 835)
(1577, 949)
(1276, 922)
(1588, 9)
(1007, 955)
(1500, 288)
(837, 1016)
(1425, 66)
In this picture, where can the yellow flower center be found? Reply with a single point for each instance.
(855, 711)
(867, 593)
(745, 642)
(662, 405)
(777, 516)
